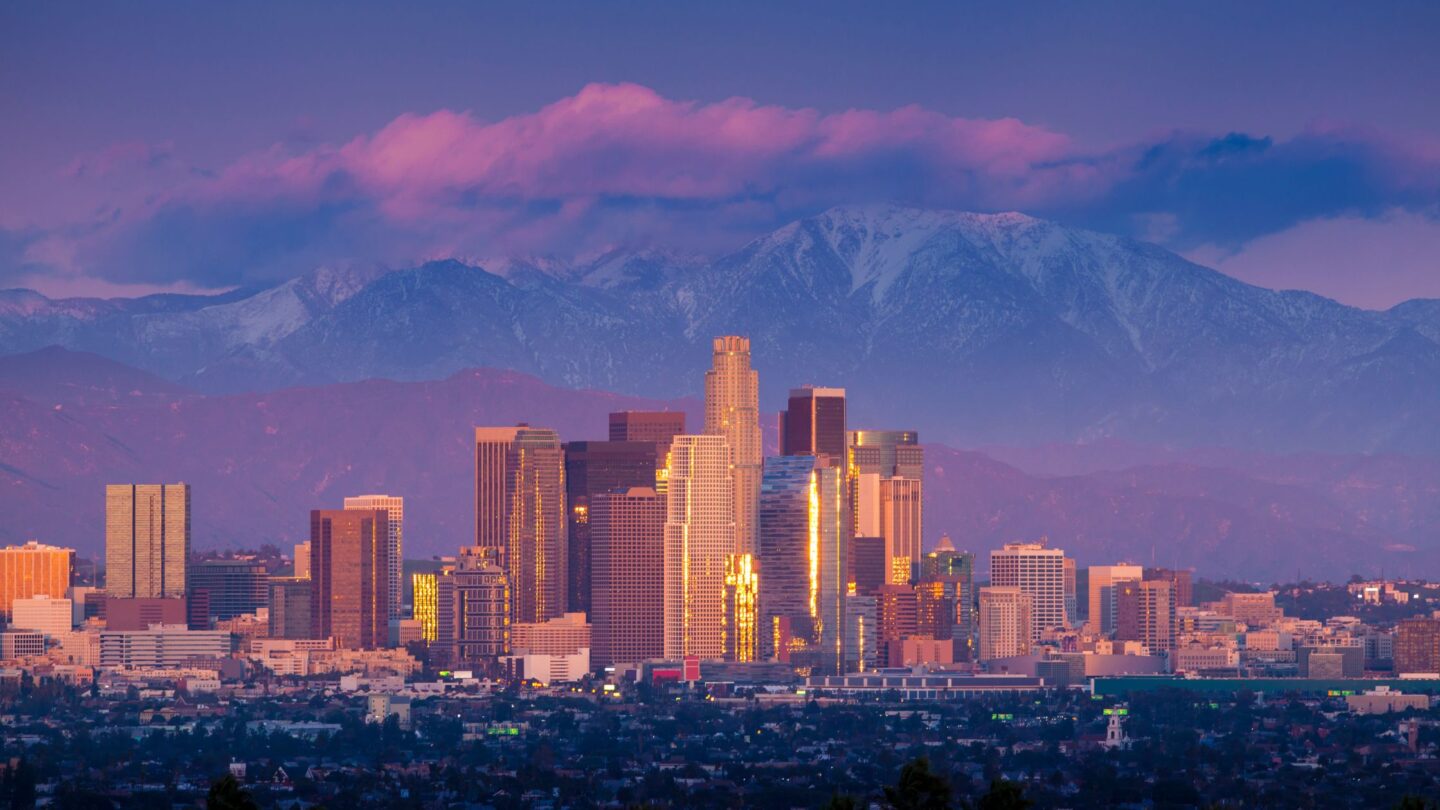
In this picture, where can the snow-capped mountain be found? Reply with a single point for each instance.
(973, 328)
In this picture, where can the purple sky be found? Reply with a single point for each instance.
(165, 146)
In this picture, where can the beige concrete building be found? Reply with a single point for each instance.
(147, 539)
(1038, 571)
(1005, 622)
(700, 536)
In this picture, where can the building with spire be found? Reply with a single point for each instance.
(732, 411)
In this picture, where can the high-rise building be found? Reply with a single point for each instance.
(231, 587)
(425, 604)
(1179, 579)
(804, 555)
(394, 506)
(1101, 614)
(350, 572)
(732, 410)
(1005, 622)
(592, 468)
(868, 567)
(302, 560)
(473, 607)
(813, 424)
(147, 539)
(700, 520)
(1037, 571)
(655, 427)
(886, 470)
(627, 616)
(1417, 645)
(742, 608)
(1145, 612)
(895, 613)
(956, 569)
(1072, 610)
(290, 607)
(862, 639)
(33, 569)
(520, 508)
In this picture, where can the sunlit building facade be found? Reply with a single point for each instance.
(1039, 572)
(732, 410)
(742, 608)
(394, 506)
(886, 469)
(1005, 622)
(425, 604)
(700, 520)
(147, 539)
(520, 508)
(33, 569)
(813, 423)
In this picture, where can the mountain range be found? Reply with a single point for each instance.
(258, 462)
(975, 329)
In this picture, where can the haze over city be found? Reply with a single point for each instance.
(671, 404)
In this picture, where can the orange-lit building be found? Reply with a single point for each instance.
(350, 577)
(33, 569)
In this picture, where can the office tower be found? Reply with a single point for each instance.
(742, 608)
(592, 468)
(813, 424)
(1071, 609)
(1038, 572)
(699, 539)
(935, 609)
(732, 410)
(627, 597)
(520, 508)
(1145, 612)
(868, 568)
(1100, 578)
(1005, 622)
(147, 539)
(425, 604)
(1180, 579)
(394, 507)
(656, 427)
(896, 613)
(302, 560)
(289, 601)
(862, 639)
(804, 554)
(1082, 596)
(1417, 645)
(43, 614)
(473, 607)
(957, 570)
(33, 569)
(350, 572)
(230, 588)
(886, 470)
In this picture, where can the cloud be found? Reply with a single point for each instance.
(1371, 263)
(621, 164)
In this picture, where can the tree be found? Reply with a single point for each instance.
(226, 794)
(842, 801)
(1003, 795)
(919, 788)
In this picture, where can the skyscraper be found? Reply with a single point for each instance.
(656, 427)
(394, 506)
(868, 567)
(1038, 572)
(520, 508)
(1145, 612)
(473, 610)
(350, 577)
(813, 423)
(886, 469)
(33, 569)
(290, 607)
(699, 539)
(1180, 579)
(1100, 615)
(732, 410)
(425, 605)
(742, 608)
(627, 615)
(1005, 622)
(147, 539)
(804, 555)
(955, 570)
(590, 469)
(231, 587)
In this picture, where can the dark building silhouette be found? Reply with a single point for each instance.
(473, 610)
(590, 469)
(290, 607)
(868, 566)
(656, 427)
(813, 424)
(230, 588)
